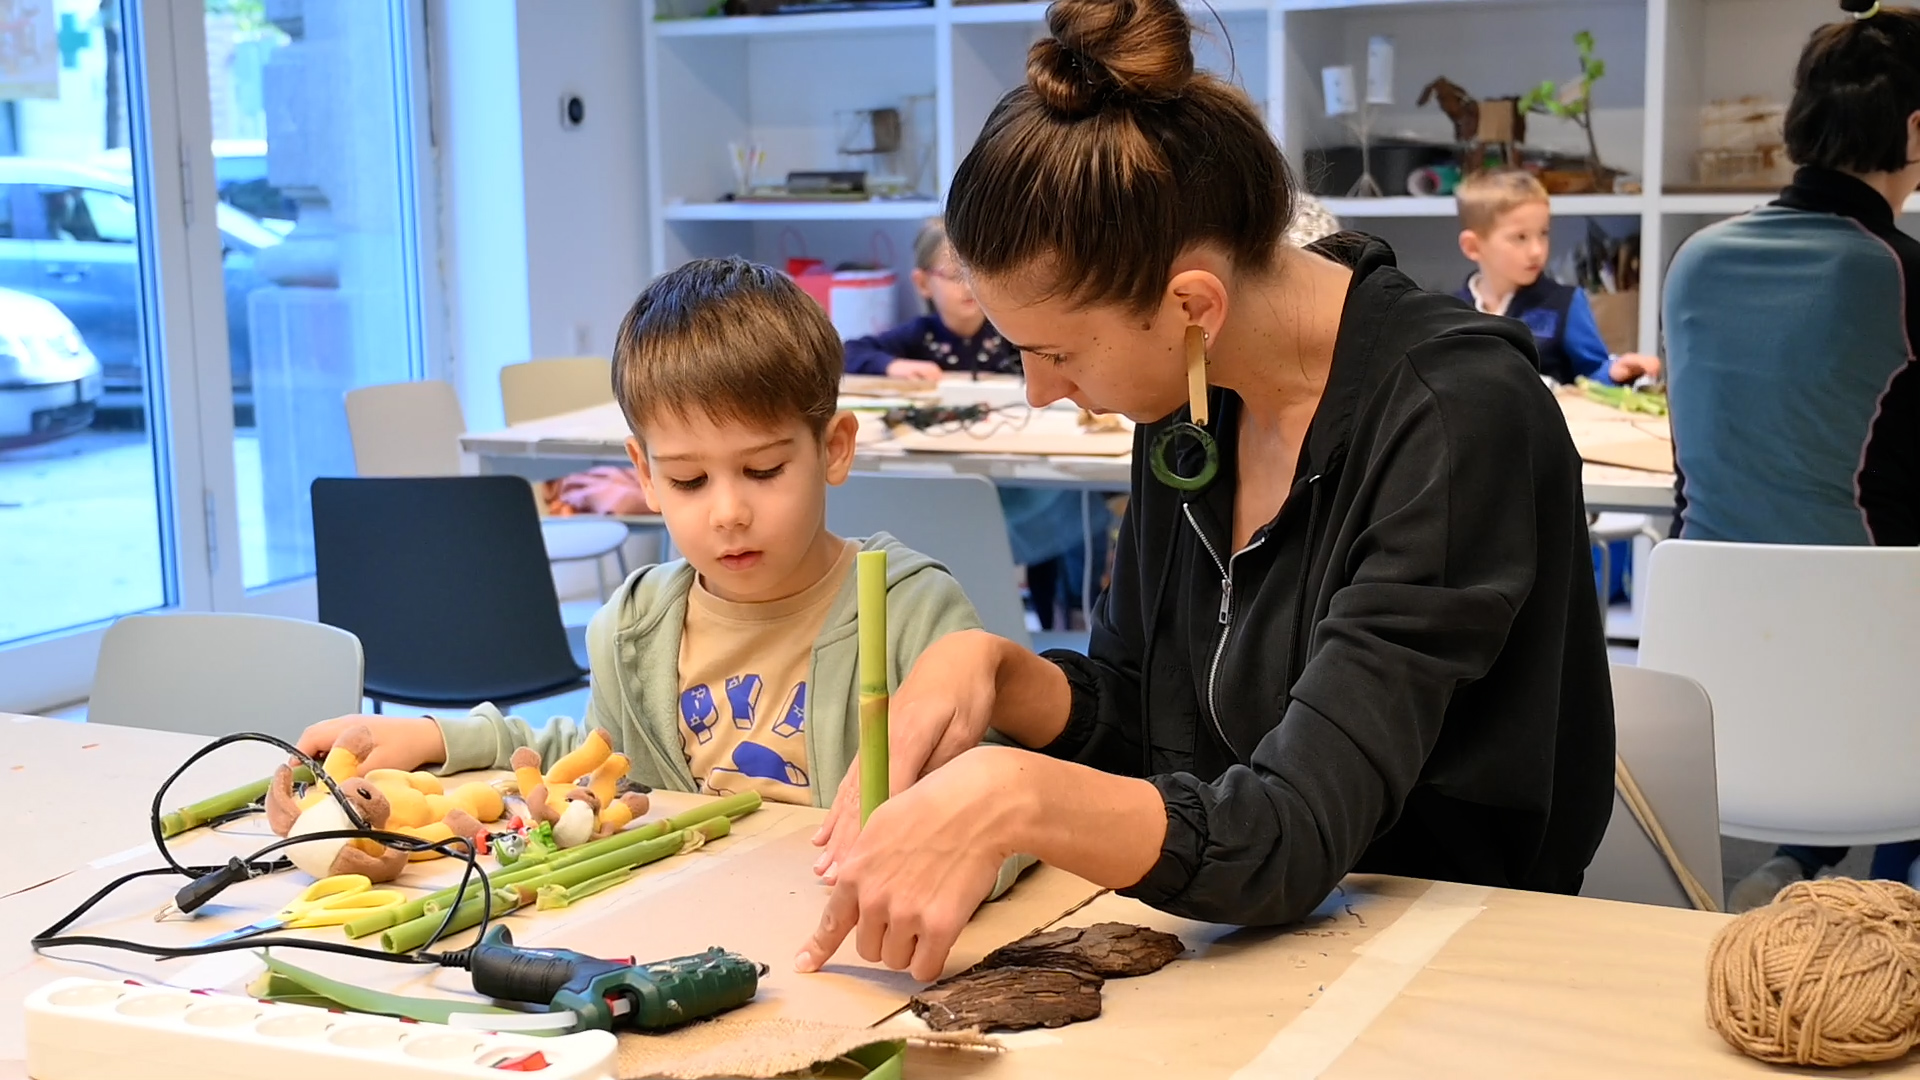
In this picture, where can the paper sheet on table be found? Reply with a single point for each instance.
(765, 902)
(47, 768)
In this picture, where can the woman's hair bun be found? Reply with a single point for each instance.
(1112, 51)
(1858, 7)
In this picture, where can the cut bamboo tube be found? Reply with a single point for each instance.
(175, 822)
(733, 806)
(872, 585)
(409, 936)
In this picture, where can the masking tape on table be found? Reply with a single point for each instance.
(1383, 967)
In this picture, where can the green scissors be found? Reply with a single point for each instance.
(331, 901)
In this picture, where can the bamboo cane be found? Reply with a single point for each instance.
(733, 806)
(872, 588)
(409, 936)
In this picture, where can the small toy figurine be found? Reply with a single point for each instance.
(580, 796)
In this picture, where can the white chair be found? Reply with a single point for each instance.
(216, 674)
(541, 388)
(955, 519)
(1812, 658)
(413, 429)
(1663, 725)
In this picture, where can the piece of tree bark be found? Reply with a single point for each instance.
(1010, 999)
(1110, 950)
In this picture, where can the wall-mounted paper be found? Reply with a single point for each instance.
(1380, 70)
(1337, 84)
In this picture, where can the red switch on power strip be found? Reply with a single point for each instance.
(533, 1062)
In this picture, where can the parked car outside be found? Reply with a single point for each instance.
(49, 379)
(69, 234)
(240, 177)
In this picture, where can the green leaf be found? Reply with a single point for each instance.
(1596, 68)
(1584, 41)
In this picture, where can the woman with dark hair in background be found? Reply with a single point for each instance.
(1790, 330)
(1352, 624)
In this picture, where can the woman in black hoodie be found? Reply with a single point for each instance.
(1365, 637)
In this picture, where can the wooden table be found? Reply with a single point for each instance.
(555, 446)
(1391, 978)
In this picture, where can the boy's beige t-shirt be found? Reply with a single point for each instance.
(743, 687)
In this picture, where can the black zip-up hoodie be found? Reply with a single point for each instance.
(1403, 672)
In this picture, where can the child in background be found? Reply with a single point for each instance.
(736, 668)
(953, 335)
(1504, 219)
(1047, 529)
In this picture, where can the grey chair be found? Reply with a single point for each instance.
(208, 674)
(955, 519)
(413, 429)
(1664, 732)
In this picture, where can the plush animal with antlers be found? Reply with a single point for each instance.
(1496, 123)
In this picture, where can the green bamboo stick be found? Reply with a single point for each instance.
(733, 806)
(549, 897)
(194, 815)
(872, 570)
(411, 935)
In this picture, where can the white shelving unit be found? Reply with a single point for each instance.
(781, 81)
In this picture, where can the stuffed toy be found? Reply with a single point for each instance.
(580, 795)
(414, 804)
(290, 815)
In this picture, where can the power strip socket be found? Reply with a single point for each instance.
(88, 1029)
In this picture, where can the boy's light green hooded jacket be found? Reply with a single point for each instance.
(633, 648)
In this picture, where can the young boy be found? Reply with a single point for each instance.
(735, 668)
(1504, 220)
(953, 335)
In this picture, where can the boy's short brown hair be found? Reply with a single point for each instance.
(731, 340)
(1484, 196)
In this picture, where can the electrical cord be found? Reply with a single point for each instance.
(209, 881)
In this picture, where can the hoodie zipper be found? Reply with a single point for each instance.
(1226, 620)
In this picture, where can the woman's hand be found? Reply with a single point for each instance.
(404, 743)
(925, 861)
(941, 711)
(605, 489)
(915, 370)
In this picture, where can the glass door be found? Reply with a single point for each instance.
(92, 479)
(313, 156)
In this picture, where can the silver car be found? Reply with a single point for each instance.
(49, 379)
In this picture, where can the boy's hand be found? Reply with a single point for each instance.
(915, 370)
(941, 711)
(404, 743)
(605, 489)
(1630, 366)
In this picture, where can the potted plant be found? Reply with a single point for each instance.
(1574, 101)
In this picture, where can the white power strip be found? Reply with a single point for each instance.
(87, 1029)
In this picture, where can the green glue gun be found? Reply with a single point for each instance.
(611, 995)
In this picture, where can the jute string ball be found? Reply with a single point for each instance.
(1828, 974)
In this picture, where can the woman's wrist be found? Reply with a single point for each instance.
(1032, 699)
(1104, 828)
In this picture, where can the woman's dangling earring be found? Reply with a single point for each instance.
(1195, 427)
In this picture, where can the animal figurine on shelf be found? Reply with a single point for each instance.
(1497, 125)
(580, 795)
(290, 815)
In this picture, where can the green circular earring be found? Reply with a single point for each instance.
(1163, 445)
(1194, 427)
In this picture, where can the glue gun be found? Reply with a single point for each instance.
(610, 995)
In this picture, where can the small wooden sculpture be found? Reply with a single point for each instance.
(1497, 124)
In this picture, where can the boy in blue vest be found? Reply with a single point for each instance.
(1504, 220)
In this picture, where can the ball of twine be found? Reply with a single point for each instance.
(1828, 974)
